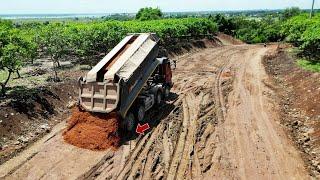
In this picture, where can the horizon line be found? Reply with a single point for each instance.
(184, 11)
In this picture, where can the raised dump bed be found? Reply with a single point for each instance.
(116, 81)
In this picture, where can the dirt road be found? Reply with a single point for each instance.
(221, 122)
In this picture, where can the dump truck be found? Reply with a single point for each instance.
(129, 80)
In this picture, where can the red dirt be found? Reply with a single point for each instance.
(92, 131)
(229, 40)
(299, 90)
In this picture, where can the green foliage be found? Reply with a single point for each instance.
(291, 12)
(15, 50)
(304, 33)
(55, 40)
(56, 43)
(149, 13)
(6, 24)
(12, 57)
(3, 75)
(294, 28)
(85, 41)
(11, 61)
(311, 42)
(309, 65)
(257, 31)
(225, 25)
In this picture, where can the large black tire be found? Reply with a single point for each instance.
(158, 98)
(140, 113)
(130, 122)
(166, 91)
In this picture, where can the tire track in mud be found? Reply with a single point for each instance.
(221, 108)
(167, 146)
(178, 166)
(215, 159)
(140, 154)
(243, 144)
(187, 165)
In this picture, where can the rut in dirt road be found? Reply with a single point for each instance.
(222, 122)
(250, 142)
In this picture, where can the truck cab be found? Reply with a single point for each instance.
(154, 93)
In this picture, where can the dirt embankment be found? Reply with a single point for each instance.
(27, 114)
(299, 91)
(229, 40)
(183, 47)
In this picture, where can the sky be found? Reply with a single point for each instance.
(131, 6)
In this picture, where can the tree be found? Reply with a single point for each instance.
(32, 49)
(28, 47)
(6, 24)
(56, 45)
(311, 43)
(290, 12)
(149, 13)
(225, 24)
(11, 61)
(13, 53)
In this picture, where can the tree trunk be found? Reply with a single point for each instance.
(3, 85)
(55, 78)
(55, 72)
(19, 76)
(58, 63)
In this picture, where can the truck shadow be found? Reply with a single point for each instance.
(153, 118)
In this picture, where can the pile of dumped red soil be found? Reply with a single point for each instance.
(92, 131)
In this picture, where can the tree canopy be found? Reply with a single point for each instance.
(290, 12)
(149, 13)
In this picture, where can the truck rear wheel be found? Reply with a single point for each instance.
(166, 91)
(130, 122)
(140, 113)
(158, 98)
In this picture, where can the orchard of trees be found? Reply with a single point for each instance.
(15, 50)
(22, 43)
(85, 41)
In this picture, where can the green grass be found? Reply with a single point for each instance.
(3, 76)
(27, 81)
(309, 65)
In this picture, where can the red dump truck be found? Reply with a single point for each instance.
(129, 80)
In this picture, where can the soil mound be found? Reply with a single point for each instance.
(229, 40)
(92, 131)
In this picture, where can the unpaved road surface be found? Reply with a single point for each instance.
(222, 122)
